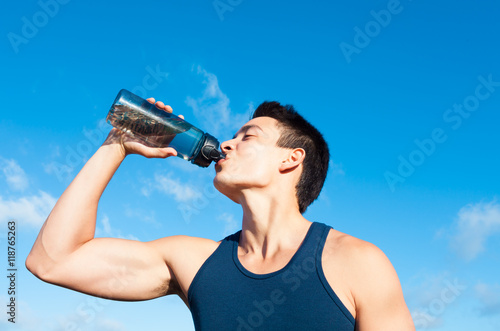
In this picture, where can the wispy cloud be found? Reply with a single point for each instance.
(89, 314)
(489, 298)
(108, 324)
(336, 169)
(14, 175)
(212, 107)
(425, 320)
(104, 229)
(31, 210)
(31, 318)
(230, 223)
(432, 286)
(166, 183)
(62, 171)
(474, 225)
(190, 196)
(146, 216)
(432, 296)
(62, 162)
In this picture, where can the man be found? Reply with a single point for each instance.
(279, 272)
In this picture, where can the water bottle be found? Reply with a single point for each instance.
(156, 128)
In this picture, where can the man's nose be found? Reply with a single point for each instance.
(226, 146)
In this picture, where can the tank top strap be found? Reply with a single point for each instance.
(322, 235)
(313, 243)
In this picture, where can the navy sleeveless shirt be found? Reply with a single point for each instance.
(226, 296)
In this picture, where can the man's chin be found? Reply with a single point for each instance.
(226, 187)
(221, 183)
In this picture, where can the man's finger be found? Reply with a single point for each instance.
(160, 105)
(163, 106)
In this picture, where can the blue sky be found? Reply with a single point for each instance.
(407, 94)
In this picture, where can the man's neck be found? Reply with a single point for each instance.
(271, 225)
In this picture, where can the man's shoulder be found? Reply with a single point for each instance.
(365, 281)
(360, 259)
(365, 265)
(355, 267)
(343, 245)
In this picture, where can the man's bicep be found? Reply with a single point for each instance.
(379, 298)
(115, 269)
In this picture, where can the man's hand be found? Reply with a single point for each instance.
(130, 145)
(67, 254)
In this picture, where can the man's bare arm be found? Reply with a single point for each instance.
(365, 281)
(65, 251)
(380, 305)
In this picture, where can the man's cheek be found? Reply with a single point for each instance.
(253, 153)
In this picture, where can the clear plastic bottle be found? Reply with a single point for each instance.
(157, 128)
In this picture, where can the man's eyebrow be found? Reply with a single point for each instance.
(247, 127)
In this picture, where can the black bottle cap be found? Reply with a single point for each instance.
(209, 152)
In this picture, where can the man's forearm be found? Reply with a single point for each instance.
(72, 222)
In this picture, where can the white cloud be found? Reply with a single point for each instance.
(87, 315)
(212, 108)
(489, 298)
(105, 225)
(110, 325)
(336, 169)
(30, 210)
(64, 161)
(431, 296)
(14, 175)
(181, 192)
(430, 287)
(26, 319)
(425, 320)
(251, 108)
(104, 229)
(230, 223)
(56, 151)
(190, 197)
(474, 225)
(146, 216)
(61, 171)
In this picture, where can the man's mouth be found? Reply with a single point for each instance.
(218, 163)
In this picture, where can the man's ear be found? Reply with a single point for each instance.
(294, 159)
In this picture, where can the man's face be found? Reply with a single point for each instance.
(252, 158)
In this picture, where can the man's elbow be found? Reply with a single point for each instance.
(32, 265)
(37, 266)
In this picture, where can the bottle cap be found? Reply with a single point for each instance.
(209, 152)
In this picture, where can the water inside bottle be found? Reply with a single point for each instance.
(156, 128)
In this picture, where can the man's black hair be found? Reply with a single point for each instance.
(297, 132)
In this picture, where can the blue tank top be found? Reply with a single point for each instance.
(226, 296)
